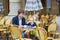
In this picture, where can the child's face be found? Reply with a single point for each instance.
(31, 20)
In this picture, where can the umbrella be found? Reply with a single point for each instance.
(33, 5)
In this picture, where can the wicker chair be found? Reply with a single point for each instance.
(47, 16)
(57, 36)
(52, 29)
(2, 28)
(54, 16)
(2, 21)
(42, 33)
(7, 22)
(15, 33)
(42, 16)
(26, 39)
(1, 17)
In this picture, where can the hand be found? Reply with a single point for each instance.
(21, 29)
(21, 26)
(34, 27)
(28, 22)
(25, 26)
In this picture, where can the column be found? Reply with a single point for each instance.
(14, 6)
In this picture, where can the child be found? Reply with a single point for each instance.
(33, 33)
(31, 22)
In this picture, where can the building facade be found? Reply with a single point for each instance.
(11, 6)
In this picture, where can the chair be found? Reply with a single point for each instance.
(53, 21)
(57, 36)
(2, 29)
(44, 21)
(54, 16)
(7, 25)
(42, 34)
(47, 16)
(15, 33)
(1, 17)
(52, 29)
(42, 16)
(8, 22)
(27, 39)
(2, 21)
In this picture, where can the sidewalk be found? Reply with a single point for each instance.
(58, 23)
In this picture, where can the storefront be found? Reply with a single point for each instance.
(54, 4)
(4, 7)
(35, 27)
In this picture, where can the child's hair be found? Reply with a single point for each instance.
(30, 16)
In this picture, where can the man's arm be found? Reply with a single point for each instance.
(13, 21)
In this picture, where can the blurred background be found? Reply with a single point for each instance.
(9, 9)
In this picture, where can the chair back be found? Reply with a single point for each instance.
(2, 21)
(43, 34)
(15, 32)
(52, 27)
(47, 16)
(1, 17)
(8, 22)
(53, 21)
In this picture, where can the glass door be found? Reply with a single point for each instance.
(4, 7)
(1, 7)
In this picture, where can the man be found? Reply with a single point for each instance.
(19, 19)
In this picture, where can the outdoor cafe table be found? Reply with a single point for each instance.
(29, 28)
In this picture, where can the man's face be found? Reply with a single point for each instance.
(21, 15)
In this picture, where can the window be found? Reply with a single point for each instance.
(4, 7)
(1, 5)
